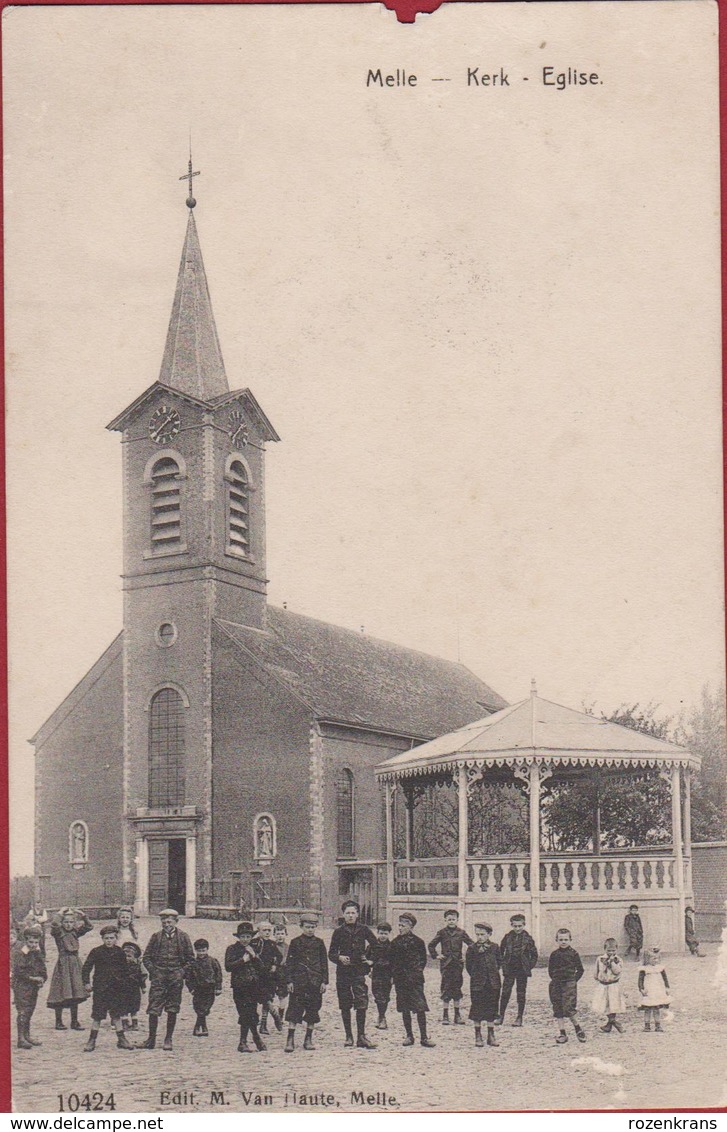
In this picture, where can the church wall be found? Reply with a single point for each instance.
(261, 759)
(359, 752)
(79, 772)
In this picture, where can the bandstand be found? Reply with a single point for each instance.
(525, 753)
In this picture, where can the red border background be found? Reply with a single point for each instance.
(406, 12)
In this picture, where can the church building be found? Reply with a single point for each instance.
(221, 745)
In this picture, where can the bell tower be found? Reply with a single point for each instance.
(194, 549)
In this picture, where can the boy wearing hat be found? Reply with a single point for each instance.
(451, 940)
(350, 948)
(381, 980)
(167, 957)
(110, 987)
(204, 982)
(519, 955)
(243, 963)
(634, 931)
(483, 967)
(307, 971)
(408, 960)
(28, 975)
(136, 983)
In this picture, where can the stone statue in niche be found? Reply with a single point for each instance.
(264, 838)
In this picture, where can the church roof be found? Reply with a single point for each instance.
(348, 677)
(192, 361)
(535, 729)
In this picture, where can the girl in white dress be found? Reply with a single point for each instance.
(653, 988)
(608, 998)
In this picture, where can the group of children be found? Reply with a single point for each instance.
(266, 974)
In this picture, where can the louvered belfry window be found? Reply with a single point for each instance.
(238, 508)
(344, 813)
(166, 749)
(166, 515)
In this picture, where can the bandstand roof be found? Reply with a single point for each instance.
(537, 730)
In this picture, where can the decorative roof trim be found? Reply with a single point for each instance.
(610, 759)
(119, 422)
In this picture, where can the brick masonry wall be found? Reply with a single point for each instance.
(79, 770)
(709, 875)
(260, 763)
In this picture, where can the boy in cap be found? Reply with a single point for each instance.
(408, 960)
(451, 940)
(28, 975)
(280, 939)
(519, 955)
(351, 944)
(110, 987)
(204, 982)
(381, 979)
(243, 963)
(167, 957)
(136, 984)
(271, 959)
(690, 935)
(634, 931)
(306, 965)
(483, 967)
(565, 969)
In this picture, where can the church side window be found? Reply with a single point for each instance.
(344, 813)
(238, 509)
(166, 749)
(166, 511)
(78, 844)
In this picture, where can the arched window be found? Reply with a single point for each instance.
(344, 813)
(166, 510)
(166, 749)
(238, 508)
(78, 843)
(265, 837)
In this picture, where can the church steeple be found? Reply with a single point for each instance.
(192, 361)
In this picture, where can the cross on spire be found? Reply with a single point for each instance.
(191, 202)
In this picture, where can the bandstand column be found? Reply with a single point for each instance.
(676, 827)
(688, 831)
(389, 805)
(534, 795)
(463, 841)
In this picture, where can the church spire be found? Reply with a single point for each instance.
(192, 361)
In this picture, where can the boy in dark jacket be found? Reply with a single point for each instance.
(271, 959)
(110, 987)
(28, 973)
(519, 955)
(167, 957)
(350, 949)
(634, 931)
(408, 960)
(483, 967)
(565, 969)
(306, 965)
(280, 939)
(243, 963)
(136, 984)
(204, 982)
(381, 979)
(451, 940)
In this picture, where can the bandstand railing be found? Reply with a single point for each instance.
(575, 875)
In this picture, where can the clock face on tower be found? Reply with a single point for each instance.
(164, 424)
(239, 432)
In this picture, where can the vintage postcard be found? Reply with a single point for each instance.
(365, 557)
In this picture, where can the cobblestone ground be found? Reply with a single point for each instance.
(684, 1067)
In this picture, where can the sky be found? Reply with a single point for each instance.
(484, 321)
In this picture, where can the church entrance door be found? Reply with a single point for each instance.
(359, 885)
(167, 874)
